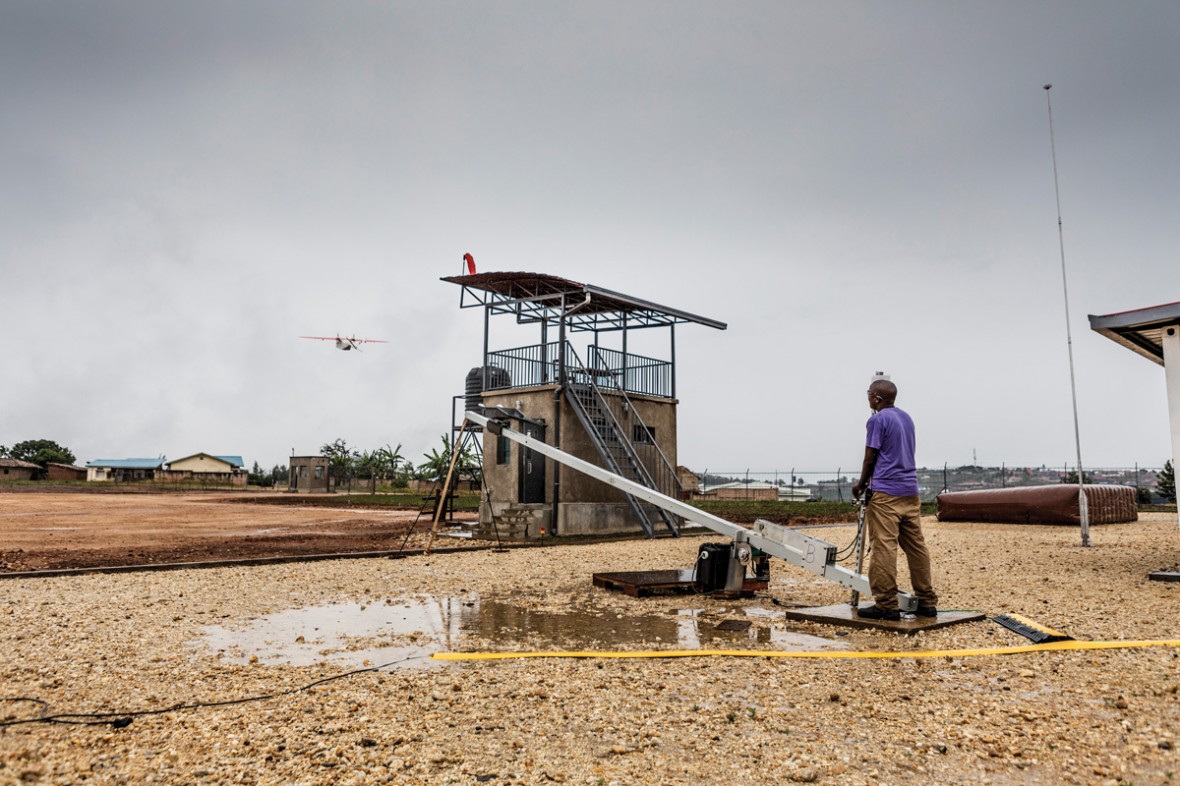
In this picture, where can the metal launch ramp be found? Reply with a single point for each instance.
(804, 551)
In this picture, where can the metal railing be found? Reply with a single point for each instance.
(539, 364)
(647, 448)
(526, 367)
(634, 373)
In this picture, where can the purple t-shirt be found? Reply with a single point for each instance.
(891, 432)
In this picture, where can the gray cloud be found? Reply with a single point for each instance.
(852, 186)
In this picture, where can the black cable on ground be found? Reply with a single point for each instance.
(123, 718)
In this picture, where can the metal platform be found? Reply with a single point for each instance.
(841, 614)
(642, 583)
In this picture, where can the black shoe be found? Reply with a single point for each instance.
(926, 611)
(878, 613)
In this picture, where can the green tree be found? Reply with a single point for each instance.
(1165, 482)
(391, 465)
(41, 451)
(260, 477)
(341, 458)
(436, 464)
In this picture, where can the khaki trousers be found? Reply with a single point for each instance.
(892, 522)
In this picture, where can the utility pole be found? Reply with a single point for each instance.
(1083, 508)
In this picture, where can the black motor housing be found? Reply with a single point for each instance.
(712, 568)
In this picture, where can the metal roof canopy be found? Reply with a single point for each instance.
(540, 297)
(1153, 333)
(1140, 330)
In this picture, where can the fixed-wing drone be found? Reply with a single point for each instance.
(347, 343)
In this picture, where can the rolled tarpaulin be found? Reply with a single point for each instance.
(1054, 504)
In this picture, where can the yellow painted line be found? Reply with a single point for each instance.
(820, 655)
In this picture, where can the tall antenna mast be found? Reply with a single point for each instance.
(1083, 508)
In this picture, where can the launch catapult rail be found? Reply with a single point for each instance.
(812, 554)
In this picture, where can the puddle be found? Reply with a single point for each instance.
(354, 634)
(383, 632)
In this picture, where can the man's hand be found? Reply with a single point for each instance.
(858, 490)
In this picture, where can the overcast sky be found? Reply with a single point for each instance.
(851, 186)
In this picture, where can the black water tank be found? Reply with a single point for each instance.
(497, 378)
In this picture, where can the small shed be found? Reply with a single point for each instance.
(56, 471)
(310, 473)
(15, 469)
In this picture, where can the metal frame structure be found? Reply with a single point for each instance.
(1153, 333)
(540, 297)
(1141, 330)
(553, 302)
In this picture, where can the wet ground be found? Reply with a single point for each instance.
(405, 632)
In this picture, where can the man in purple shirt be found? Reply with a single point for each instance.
(893, 516)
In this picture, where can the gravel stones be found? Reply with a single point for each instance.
(118, 643)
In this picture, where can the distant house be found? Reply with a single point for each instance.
(207, 468)
(123, 470)
(55, 471)
(15, 469)
(753, 490)
(794, 493)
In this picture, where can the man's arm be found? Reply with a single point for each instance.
(866, 472)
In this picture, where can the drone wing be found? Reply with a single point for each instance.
(322, 338)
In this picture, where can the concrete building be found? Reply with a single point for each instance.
(205, 468)
(606, 405)
(753, 490)
(310, 474)
(123, 470)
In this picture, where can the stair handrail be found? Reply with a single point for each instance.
(603, 450)
(625, 440)
(622, 390)
(629, 450)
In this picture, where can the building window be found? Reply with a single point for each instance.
(319, 473)
(503, 450)
(641, 434)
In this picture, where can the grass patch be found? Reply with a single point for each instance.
(465, 501)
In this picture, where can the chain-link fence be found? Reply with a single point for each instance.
(836, 485)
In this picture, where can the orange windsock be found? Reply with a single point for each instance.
(470, 260)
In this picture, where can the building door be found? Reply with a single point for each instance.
(532, 466)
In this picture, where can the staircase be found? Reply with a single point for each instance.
(613, 443)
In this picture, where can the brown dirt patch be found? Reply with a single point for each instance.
(71, 530)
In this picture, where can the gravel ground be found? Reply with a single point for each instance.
(116, 643)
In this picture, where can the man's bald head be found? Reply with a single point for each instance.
(885, 389)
